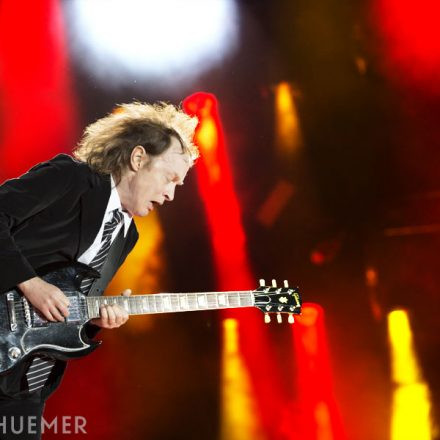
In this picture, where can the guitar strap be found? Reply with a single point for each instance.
(110, 266)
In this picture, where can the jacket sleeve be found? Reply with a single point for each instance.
(20, 200)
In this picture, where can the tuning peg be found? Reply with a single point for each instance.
(262, 282)
(286, 283)
(266, 318)
(279, 318)
(274, 283)
(291, 319)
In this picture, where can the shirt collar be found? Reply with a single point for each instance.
(115, 203)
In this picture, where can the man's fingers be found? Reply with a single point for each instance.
(123, 315)
(111, 315)
(56, 314)
(62, 298)
(63, 310)
(103, 312)
(49, 316)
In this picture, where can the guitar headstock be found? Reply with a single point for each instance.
(273, 299)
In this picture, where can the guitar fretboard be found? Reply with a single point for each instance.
(172, 302)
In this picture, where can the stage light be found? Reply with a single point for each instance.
(228, 238)
(239, 419)
(275, 203)
(133, 40)
(412, 40)
(411, 397)
(288, 137)
(217, 191)
(318, 406)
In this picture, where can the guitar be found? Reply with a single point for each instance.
(24, 332)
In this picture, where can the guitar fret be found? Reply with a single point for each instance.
(183, 301)
(152, 304)
(232, 299)
(192, 301)
(135, 305)
(166, 301)
(201, 300)
(158, 303)
(175, 304)
(145, 308)
(222, 300)
(213, 300)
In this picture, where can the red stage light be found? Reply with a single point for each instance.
(317, 404)
(230, 257)
(412, 36)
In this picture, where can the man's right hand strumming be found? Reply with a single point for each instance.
(47, 298)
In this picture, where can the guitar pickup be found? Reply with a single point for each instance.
(10, 301)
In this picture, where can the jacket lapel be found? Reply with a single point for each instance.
(93, 205)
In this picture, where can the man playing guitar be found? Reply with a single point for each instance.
(72, 209)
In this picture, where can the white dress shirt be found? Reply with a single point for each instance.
(114, 202)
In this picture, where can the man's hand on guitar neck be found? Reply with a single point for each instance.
(112, 315)
(45, 297)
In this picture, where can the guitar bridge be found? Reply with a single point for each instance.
(27, 312)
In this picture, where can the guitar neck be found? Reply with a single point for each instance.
(172, 302)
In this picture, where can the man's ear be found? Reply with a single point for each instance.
(137, 158)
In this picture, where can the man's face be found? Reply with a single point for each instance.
(155, 181)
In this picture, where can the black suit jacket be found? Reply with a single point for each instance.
(50, 215)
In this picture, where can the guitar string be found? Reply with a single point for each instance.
(136, 301)
(140, 302)
(103, 299)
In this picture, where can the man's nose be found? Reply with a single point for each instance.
(169, 194)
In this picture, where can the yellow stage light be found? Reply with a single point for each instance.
(238, 418)
(411, 400)
(288, 132)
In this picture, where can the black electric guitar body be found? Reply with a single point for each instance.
(24, 331)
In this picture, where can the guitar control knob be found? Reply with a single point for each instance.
(291, 319)
(279, 318)
(266, 318)
(14, 352)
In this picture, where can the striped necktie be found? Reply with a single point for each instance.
(38, 372)
(99, 259)
(41, 366)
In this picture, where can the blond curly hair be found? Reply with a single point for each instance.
(106, 144)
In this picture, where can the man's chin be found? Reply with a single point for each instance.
(144, 212)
